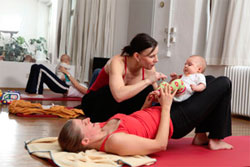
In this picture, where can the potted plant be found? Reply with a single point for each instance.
(16, 49)
(39, 45)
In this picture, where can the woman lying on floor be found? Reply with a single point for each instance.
(148, 130)
(39, 74)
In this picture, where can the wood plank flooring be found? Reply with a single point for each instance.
(15, 130)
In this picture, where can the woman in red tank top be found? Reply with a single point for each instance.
(125, 80)
(149, 129)
(145, 131)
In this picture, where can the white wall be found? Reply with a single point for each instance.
(15, 74)
(140, 17)
(182, 18)
(121, 25)
(183, 21)
(134, 16)
(189, 20)
(32, 16)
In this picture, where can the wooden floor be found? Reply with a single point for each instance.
(15, 130)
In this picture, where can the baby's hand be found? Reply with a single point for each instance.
(194, 87)
(175, 76)
(63, 70)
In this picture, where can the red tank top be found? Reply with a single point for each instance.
(142, 123)
(103, 78)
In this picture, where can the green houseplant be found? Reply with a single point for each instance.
(39, 44)
(16, 49)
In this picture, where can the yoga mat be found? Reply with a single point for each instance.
(36, 115)
(182, 153)
(49, 97)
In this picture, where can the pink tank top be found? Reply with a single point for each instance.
(103, 78)
(142, 123)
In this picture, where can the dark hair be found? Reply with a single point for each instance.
(70, 138)
(139, 43)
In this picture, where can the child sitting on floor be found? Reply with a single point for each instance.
(64, 62)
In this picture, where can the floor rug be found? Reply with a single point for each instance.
(49, 97)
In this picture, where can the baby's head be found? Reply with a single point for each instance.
(194, 64)
(65, 59)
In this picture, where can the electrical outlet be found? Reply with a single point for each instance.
(168, 54)
(172, 39)
(173, 30)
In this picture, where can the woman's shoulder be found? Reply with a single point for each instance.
(117, 57)
(116, 60)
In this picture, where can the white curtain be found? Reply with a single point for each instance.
(92, 34)
(229, 33)
(237, 36)
(63, 27)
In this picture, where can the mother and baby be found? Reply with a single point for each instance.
(119, 104)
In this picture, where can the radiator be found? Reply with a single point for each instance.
(240, 77)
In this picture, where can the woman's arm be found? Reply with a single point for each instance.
(150, 98)
(126, 144)
(74, 82)
(119, 90)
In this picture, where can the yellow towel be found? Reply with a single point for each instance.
(49, 148)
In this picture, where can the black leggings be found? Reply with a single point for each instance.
(207, 111)
(100, 105)
(39, 74)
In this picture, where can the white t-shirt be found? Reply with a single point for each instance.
(59, 73)
(194, 79)
(73, 92)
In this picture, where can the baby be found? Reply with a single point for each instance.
(193, 79)
(64, 62)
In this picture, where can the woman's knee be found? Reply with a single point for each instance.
(209, 78)
(34, 66)
(41, 66)
(225, 80)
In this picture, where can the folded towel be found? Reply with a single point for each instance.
(28, 108)
(49, 148)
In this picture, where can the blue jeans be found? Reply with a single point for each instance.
(94, 76)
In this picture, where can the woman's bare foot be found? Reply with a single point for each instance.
(200, 139)
(218, 144)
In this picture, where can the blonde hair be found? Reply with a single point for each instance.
(202, 62)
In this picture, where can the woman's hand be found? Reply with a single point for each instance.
(156, 76)
(63, 70)
(166, 97)
(152, 97)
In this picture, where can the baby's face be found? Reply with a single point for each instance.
(65, 59)
(192, 66)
